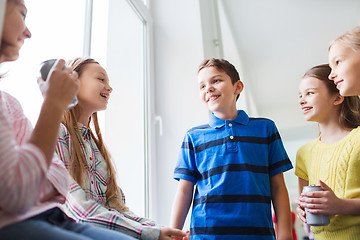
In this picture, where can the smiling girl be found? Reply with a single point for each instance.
(333, 159)
(95, 197)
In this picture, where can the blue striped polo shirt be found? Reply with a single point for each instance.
(231, 163)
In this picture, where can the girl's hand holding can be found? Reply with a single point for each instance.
(321, 202)
(300, 210)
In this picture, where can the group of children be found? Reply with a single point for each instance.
(237, 162)
(230, 170)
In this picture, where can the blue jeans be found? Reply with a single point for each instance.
(54, 225)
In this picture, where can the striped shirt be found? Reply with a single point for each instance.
(231, 163)
(88, 204)
(25, 177)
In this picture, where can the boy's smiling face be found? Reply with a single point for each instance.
(218, 93)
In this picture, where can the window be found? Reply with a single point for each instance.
(115, 33)
(126, 119)
(56, 33)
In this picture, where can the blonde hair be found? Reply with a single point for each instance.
(349, 39)
(78, 164)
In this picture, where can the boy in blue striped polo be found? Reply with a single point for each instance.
(236, 164)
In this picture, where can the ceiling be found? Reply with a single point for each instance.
(277, 41)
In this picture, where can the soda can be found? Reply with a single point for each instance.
(45, 68)
(315, 219)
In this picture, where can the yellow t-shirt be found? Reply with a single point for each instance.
(338, 165)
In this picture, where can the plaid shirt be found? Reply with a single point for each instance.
(88, 204)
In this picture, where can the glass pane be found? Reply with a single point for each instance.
(99, 30)
(124, 119)
(57, 32)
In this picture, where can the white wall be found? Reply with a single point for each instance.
(178, 51)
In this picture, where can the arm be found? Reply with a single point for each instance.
(57, 185)
(19, 158)
(326, 202)
(166, 233)
(300, 210)
(281, 204)
(346, 201)
(82, 207)
(86, 210)
(181, 203)
(62, 86)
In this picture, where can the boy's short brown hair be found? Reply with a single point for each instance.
(221, 65)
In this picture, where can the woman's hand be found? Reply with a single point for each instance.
(61, 86)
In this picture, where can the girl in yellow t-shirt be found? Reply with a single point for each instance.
(333, 159)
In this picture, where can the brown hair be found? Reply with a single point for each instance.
(221, 65)
(78, 164)
(349, 39)
(350, 107)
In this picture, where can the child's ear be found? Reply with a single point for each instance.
(239, 87)
(339, 99)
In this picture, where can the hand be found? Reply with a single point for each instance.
(186, 237)
(49, 196)
(43, 85)
(167, 233)
(61, 86)
(300, 211)
(323, 202)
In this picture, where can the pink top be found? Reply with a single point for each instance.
(24, 175)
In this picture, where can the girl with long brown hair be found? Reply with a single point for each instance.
(95, 197)
(333, 159)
